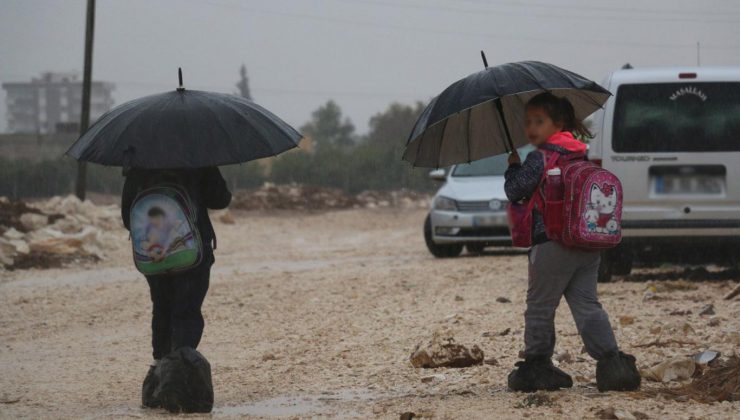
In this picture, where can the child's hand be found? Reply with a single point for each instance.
(514, 158)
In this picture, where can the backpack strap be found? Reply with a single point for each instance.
(551, 162)
(537, 198)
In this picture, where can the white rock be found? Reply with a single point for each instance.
(443, 351)
(432, 378)
(21, 246)
(675, 369)
(13, 234)
(624, 415)
(7, 252)
(33, 221)
(705, 357)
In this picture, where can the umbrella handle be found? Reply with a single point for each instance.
(500, 108)
(483, 56)
(179, 77)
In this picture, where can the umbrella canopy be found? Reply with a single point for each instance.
(184, 129)
(483, 114)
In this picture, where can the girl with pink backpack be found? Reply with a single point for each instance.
(566, 209)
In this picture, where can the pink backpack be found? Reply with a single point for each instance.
(589, 214)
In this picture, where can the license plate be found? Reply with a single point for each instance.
(688, 184)
(489, 220)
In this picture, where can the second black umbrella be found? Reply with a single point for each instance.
(483, 114)
(184, 129)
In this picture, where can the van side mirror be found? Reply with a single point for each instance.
(438, 175)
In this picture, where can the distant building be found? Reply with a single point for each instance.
(52, 103)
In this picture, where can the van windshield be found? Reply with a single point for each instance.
(677, 117)
(490, 166)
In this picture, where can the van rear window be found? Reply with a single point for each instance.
(677, 117)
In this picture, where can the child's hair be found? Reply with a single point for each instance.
(155, 211)
(560, 111)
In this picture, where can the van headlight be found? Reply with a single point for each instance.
(444, 203)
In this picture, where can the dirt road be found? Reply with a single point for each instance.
(316, 315)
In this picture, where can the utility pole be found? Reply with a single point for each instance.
(86, 88)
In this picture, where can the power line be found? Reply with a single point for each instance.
(492, 36)
(273, 90)
(547, 15)
(590, 6)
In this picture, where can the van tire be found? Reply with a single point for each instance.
(606, 270)
(621, 259)
(614, 262)
(622, 266)
(439, 250)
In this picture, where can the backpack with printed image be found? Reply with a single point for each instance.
(583, 210)
(164, 232)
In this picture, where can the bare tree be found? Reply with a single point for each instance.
(243, 84)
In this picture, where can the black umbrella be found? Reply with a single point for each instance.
(483, 114)
(184, 129)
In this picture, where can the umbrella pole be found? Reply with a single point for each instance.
(500, 108)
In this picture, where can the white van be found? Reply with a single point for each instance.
(672, 135)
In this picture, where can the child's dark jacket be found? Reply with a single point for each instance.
(206, 188)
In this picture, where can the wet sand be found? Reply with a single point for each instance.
(315, 315)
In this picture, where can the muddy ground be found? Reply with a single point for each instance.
(317, 314)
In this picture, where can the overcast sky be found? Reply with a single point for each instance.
(364, 54)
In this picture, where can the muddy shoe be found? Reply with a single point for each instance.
(185, 384)
(538, 374)
(147, 389)
(617, 372)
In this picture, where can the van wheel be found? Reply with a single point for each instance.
(621, 259)
(439, 250)
(623, 266)
(475, 248)
(614, 262)
(606, 270)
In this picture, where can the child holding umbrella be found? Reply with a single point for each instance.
(556, 270)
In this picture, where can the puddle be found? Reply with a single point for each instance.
(97, 276)
(280, 406)
(66, 277)
(291, 266)
(300, 405)
(327, 403)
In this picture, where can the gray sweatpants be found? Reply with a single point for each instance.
(554, 271)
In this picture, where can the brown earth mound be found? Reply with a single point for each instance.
(308, 197)
(292, 197)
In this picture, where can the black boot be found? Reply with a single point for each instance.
(617, 372)
(535, 374)
(147, 389)
(185, 384)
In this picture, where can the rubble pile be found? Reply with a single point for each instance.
(720, 381)
(308, 197)
(55, 232)
(18, 215)
(292, 197)
(403, 198)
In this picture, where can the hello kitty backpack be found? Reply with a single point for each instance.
(589, 214)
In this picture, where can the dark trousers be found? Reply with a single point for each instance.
(176, 301)
(556, 271)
